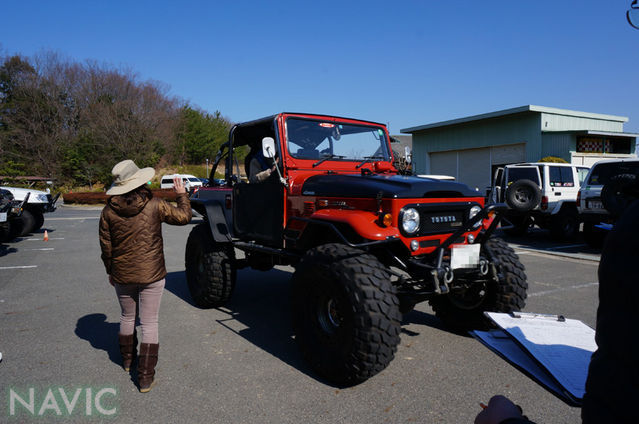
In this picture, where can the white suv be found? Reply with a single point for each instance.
(190, 181)
(38, 203)
(541, 193)
(589, 201)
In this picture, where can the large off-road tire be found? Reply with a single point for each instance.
(346, 315)
(210, 268)
(565, 224)
(38, 216)
(26, 223)
(463, 308)
(523, 195)
(618, 193)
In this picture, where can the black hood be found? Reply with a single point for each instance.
(393, 186)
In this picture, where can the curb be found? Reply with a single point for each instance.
(581, 256)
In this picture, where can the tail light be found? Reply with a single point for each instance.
(579, 198)
(544, 203)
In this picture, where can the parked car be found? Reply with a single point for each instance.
(10, 213)
(602, 197)
(190, 181)
(539, 193)
(367, 243)
(38, 203)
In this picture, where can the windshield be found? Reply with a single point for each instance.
(314, 139)
(603, 172)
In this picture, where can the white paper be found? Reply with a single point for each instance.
(3, 216)
(563, 348)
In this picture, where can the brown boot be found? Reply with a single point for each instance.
(128, 349)
(147, 361)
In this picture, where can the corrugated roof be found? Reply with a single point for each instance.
(514, 111)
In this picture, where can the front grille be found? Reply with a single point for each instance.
(441, 218)
(440, 222)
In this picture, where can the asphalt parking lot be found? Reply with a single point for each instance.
(240, 363)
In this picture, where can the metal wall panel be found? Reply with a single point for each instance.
(559, 145)
(552, 122)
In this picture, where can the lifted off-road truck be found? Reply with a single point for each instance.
(367, 244)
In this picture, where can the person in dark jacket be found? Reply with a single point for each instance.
(612, 387)
(130, 234)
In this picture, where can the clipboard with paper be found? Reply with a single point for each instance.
(552, 350)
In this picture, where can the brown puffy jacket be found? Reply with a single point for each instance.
(131, 236)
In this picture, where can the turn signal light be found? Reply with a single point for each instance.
(387, 220)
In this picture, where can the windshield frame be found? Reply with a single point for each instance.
(339, 124)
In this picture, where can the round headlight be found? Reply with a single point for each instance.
(474, 211)
(410, 220)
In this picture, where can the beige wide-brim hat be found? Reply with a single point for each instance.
(128, 177)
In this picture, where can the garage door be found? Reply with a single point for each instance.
(512, 153)
(474, 166)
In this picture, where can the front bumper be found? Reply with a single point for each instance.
(435, 267)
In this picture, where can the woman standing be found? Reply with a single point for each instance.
(133, 254)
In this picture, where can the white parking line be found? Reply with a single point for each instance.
(39, 239)
(44, 248)
(18, 267)
(561, 289)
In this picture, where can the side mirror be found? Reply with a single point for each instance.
(268, 147)
(633, 15)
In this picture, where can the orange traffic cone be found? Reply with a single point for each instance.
(46, 235)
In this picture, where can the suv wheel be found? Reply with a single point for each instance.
(521, 224)
(463, 308)
(210, 268)
(564, 225)
(38, 217)
(523, 195)
(345, 313)
(26, 224)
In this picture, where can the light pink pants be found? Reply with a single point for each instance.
(146, 297)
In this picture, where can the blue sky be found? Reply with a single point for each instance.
(405, 63)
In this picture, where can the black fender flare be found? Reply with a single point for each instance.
(217, 219)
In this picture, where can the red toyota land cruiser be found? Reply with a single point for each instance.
(320, 193)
